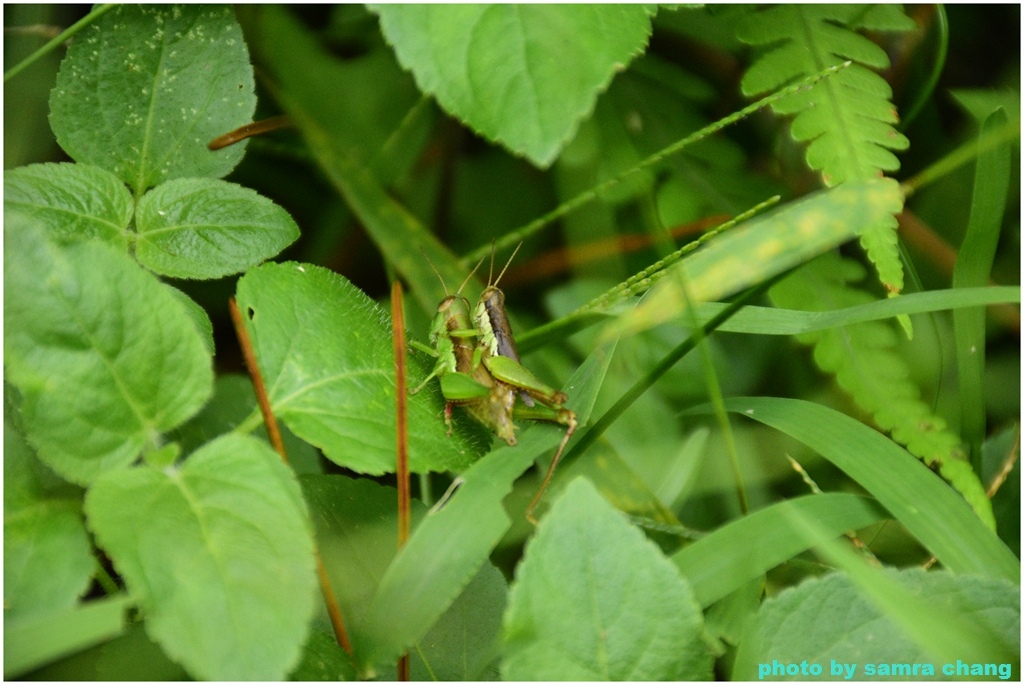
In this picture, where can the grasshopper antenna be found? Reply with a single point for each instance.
(470, 275)
(507, 264)
(438, 273)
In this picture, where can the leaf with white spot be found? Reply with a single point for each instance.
(144, 89)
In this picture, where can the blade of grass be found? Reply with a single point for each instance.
(97, 12)
(973, 266)
(926, 506)
(775, 321)
(35, 640)
(723, 560)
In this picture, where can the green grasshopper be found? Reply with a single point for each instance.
(464, 379)
(478, 368)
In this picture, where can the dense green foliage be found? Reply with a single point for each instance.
(852, 376)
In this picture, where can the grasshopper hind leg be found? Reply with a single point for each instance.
(569, 420)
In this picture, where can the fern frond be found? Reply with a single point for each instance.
(864, 364)
(848, 119)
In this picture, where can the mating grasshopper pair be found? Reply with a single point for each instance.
(478, 368)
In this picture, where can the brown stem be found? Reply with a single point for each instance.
(330, 599)
(401, 436)
(249, 130)
(257, 381)
(401, 429)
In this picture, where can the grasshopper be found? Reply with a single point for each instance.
(464, 379)
(479, 369)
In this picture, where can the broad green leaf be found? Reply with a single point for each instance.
(744, 549)
(764, 247)
(104, 355)
(144, 89)
(524, 75)
(32, 641)
(206, 228)
(325, 352)
(357, 536)
(73, 201)
(219, 553)
(594, 600)
(931, 511)
(974, 268)
(48, 561)
(127, 656)
(453, 542)
(830, 621)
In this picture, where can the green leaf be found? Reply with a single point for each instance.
(206, 228)
(32, 641)
(744, 549)
(973, 268)
(866, 366)
(48, 561)
(73, 201)
(144, 89)
(830, 621)
(848, 118)
(219, 553)
(325, 352)
(594, 600)
(104, 355)
(927, 507)
(523, 75)
(766, 246)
